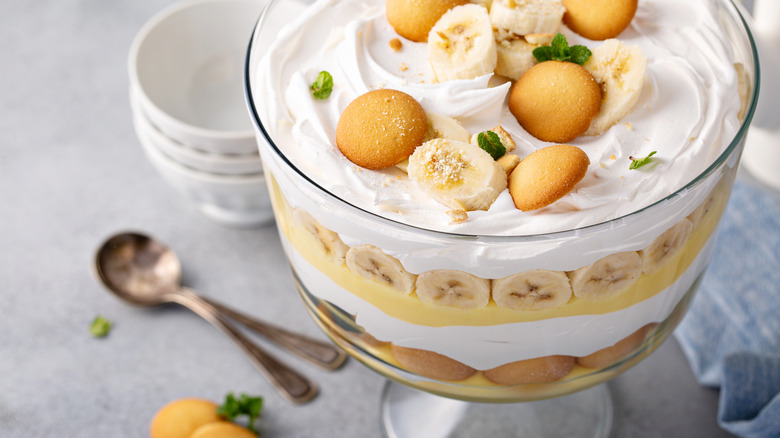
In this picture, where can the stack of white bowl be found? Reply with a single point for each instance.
(186, 93)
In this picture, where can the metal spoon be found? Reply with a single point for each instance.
(145, 272)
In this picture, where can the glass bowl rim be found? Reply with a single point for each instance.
(736, 15)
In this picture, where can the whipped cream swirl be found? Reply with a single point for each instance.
(687, 112)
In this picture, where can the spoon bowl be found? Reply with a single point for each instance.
(138, 269)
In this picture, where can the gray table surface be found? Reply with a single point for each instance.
(72, 172)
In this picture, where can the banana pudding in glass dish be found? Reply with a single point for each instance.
(506, 200)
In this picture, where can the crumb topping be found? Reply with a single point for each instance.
(396, 44)
(443, 165)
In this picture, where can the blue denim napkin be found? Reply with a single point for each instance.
(731, 335)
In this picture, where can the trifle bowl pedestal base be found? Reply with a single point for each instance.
(410, 413)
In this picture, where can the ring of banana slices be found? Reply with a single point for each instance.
(532, 290)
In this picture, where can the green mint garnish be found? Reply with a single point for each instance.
(490, 142)
(245, 405)
(100, 327)
(559, 50)
(322, 86)
(636, 163)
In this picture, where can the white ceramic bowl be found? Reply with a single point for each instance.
(187, 64)
(232, 200)
(221, 164)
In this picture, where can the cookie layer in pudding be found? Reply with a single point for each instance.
(553, 375)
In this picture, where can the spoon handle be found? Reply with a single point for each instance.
(290, 384)
(323, 354)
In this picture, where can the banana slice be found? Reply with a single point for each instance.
(328, 242)
(461, 44)
(403, 165)
(515, 55)
(370, 262)
(441, 126)
(457, 174)
(743, 88)
(607, 277)
(715, 199)
(620, 70)
(702, 210)
(523, 17)
(532, 290)
(450, 288)
(665, 246)
(484, 3)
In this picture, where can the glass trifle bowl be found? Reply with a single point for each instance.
(499, 306)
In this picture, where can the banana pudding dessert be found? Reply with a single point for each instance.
(500, 200)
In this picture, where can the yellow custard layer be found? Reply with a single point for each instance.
(412, 310)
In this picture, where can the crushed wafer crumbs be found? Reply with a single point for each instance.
(457, 215)
(396, 44)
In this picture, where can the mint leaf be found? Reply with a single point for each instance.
(490, 142)
(100, 327)
(543, 53)
(322, 86)
(580, 54)
(245, 405)
(636, 163)
(230, 409)
(253, 407)
(560, 47)
(559, 50)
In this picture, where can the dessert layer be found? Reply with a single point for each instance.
(487, 346)
(493, 336)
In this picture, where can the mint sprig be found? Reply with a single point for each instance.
(559, 50)
(636, 163)
(322, 86)
(100, 327)
(490, 142)
(245, 405)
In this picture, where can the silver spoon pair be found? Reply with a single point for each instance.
(145, 272)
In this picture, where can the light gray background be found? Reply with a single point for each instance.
(72, 172)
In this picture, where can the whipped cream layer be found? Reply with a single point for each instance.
(687, 113)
